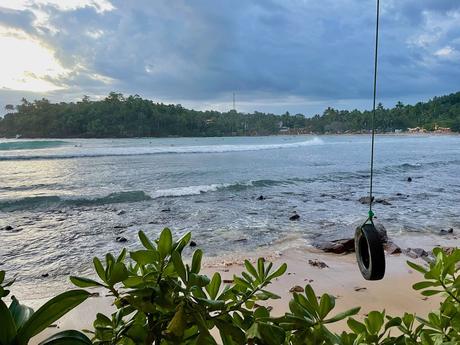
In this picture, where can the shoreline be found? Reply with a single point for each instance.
(341, 279)
(421, 134)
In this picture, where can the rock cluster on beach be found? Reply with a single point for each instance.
(347, 245)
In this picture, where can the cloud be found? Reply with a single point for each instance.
(277, 55)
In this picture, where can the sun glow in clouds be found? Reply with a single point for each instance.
(27, 65)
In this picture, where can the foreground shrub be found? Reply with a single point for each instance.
(19, 323)
(160, 299)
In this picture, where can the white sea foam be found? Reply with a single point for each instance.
(76, 152)
(188, 190)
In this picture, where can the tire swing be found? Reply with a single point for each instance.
(368, 245)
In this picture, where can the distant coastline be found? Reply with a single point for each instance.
(117, 116)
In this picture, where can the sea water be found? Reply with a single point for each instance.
(68, 200)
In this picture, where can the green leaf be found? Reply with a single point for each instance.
(19, 312)
(165, 243)
(196, 261)
(251, 269)
(102, 321)
(374, 322)
(228, 329)
(182, 242)
(179, 265)
(51, 311)
(279, 272)
(214, 286)
(133, 281)
(268, 333)
(425, 284)
(343, 315)
(431, 292)
(84, 282)
(356, 326)
(70, 337)
(144, 257)
(261, 268)
(118, 274)
(326, 304)
(416, 267)
(311, 296)
(7, 326)
(122, 255)
(145, 241)
(2, 276)
(178, 323)
(99, 269)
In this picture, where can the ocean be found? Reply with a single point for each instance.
(64, 201)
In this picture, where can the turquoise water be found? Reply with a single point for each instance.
(67, 201)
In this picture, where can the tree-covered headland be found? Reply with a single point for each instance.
(133, 116)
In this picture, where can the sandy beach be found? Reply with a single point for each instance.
(341, 278)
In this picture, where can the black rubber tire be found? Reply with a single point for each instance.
(369, 252)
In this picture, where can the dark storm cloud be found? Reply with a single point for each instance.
(318, 52)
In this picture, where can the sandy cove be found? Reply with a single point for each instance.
(341, 278)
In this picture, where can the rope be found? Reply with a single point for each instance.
(371, 214)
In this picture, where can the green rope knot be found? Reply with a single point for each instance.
(371, 214)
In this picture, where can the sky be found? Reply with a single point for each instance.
(299, 56)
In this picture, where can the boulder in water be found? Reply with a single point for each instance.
(365, 200)
(295, 216)
(8, 228)
(261, 197)
(193, 244)
(121, 239)
(446, 232)
(409, 179)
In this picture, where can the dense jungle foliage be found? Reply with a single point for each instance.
(132, 116)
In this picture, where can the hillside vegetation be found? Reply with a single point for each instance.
(132, 116)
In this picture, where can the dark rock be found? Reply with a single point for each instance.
(241, 240)
(448, 231)
(261, 197)
(166, 210)
(382, 201)
(119, 226)
(409, 179)
(45, 275)
(8, 227)
(365, 200)
(416, 253)
(382, 232)
(192, 244)
(295, 216)
(392, 248)
(296, 288)
(317, 263)
(336, 246)
(121, 239)
(95, 294)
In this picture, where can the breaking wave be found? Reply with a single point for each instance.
(80, 152)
